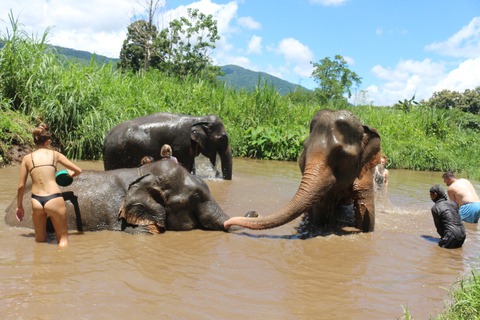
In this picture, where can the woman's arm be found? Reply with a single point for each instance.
(72, 169)
(21, 188)
(386, 179)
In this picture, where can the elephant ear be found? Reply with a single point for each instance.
(372, 150)
(140, 207)
(198, 134)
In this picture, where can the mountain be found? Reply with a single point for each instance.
(83, 56)
(241, 78)
(235, 76)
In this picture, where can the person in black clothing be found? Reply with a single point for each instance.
(447, 219)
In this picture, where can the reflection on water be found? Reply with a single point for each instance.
(246, 275)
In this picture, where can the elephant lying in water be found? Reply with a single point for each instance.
(337, 164)
(156, 197)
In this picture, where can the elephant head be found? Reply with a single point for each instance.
(144, 206)
(169, 198)
(210, 138)
(337, 162)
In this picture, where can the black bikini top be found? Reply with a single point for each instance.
(44, 165)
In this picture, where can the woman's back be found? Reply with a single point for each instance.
(42, 167)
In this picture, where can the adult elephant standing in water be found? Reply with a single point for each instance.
(128, 142)
(337, 164)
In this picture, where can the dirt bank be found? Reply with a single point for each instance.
(15, 154)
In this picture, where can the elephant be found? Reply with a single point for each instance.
(337, 164)
(156, 197)
(128, 142)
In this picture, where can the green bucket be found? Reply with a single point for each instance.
(63, 179)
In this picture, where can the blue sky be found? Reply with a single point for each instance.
(398, 48)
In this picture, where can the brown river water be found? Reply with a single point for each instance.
(269, 274)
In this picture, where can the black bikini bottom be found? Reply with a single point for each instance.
(44, 199)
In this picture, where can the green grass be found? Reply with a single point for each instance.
(465, 303)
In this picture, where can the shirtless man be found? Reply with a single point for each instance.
(463, 193)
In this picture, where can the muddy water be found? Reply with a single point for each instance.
(247, 275)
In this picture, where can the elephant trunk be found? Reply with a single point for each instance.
(316, 182)
(226, 160)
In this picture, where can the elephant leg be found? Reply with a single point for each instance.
(364, 204)
(321, 213)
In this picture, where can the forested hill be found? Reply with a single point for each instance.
(239, 77)
(235, 76)
(83, 56)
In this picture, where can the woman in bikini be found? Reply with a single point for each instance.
(381, 176)
(47, 199)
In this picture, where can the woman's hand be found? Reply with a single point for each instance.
(19, 213)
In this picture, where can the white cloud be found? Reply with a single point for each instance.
(297, 54)
(329, 2)
(381, 31)
(294, 51)
(249, 23)
(465, 43)
(422, 79)
(349, 60)
(88, 25)
(237, 60)
(277, 72)
(255, 45)
(408, 78)
(466, 76)
(223, 13)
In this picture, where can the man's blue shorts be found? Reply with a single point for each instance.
(470, 212)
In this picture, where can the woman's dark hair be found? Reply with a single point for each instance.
(41, 134)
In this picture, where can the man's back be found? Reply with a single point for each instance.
(462, 191)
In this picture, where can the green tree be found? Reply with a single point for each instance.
(334, 78)
(445, 99)
(181, 49)
(134, 50)
(406, 105)
(470, 101)
(138, 49)
(185, 46)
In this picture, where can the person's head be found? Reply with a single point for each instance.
(41, 136)
(449, 178)
(437, 192)
(146, 159)
(166, 151)
(383, 160)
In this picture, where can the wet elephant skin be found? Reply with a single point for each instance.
(94, 201)
(337, 164)
(128, 142)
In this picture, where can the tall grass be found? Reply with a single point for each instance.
(82, 103)
(464, 303)
(465, 299)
